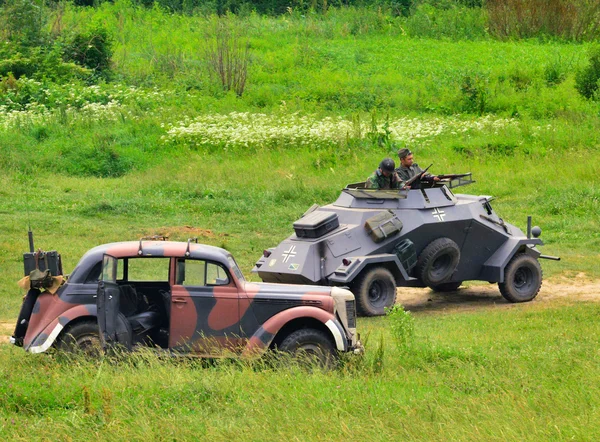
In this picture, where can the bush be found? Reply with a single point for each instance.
(91, 49)
(402, 325)
(571, 19)
(475, 93)
(587, 81)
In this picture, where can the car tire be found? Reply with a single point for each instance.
(83, 337)
(438, 261)
(311, 346)
(447, 287)
(375, 291)
(522, 278)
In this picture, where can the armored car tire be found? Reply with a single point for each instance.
(83, 337)
(374, 291)
(522, 278)
(438, 261)
(312, 346)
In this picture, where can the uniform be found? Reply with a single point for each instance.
(378, 181)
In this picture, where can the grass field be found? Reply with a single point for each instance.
(161, 149)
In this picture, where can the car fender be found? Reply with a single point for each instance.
(47, 337)
(493, 269)
(261, 340)
(345, 274)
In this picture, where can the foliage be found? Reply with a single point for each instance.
(401, 326)
(587, 80)
(228, 55)
(577, 20)
(91, 49)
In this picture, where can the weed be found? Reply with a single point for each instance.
(587, 80)
(401, 325)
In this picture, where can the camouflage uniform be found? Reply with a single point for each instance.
(378, 181)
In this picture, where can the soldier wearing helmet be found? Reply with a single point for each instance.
(385, 177)
(408, 169)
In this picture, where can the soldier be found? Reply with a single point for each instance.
(385, 177)
(409, 169)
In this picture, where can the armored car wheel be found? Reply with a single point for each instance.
(438, 261)
(522, 278)
(374, 291)
(312, 346)
(83, 337)
(446, 287)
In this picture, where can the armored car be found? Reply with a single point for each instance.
(373, 241)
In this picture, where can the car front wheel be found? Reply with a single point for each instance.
(522, 278)
(312, 346)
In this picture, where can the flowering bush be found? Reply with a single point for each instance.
(243, 129)
(26, 101)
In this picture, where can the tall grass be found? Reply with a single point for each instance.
(454, 381)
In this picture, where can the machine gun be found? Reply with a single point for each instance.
(453, 180)
(416, 177)
(452, 176)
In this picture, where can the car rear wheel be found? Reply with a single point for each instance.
(375, 291)
(81, 338)
(310, 346)
(522, 278)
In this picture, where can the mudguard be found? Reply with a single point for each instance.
(45, 339)
(493, 269)
(261, 340)
(345, 274)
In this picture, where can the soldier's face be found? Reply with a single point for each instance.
(407, 161)
(385, 173)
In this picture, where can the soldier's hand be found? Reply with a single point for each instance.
(436, 178)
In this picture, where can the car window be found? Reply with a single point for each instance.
(216, 275)
(148, 269)
(197, 273)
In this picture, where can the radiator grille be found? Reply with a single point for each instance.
(351, 314)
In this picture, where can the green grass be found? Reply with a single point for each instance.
(525, 373)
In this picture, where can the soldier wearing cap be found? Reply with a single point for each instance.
(408, 169)
(385, 177)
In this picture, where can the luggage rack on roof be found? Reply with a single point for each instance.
(151, 238)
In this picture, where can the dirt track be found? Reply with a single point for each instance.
(474, 297)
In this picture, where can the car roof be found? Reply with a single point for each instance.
(143, 248)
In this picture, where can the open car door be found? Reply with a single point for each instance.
(107, 301)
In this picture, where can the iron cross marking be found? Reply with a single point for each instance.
(289, 253)
(439, 214)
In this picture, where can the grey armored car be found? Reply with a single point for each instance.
(375, 240)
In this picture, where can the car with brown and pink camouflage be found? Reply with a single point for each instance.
(179, 298)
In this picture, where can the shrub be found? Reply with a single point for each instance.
(91, 49)
(571, 19)
(228, 55)
(587, 81)
(475, 93)
(402, 325)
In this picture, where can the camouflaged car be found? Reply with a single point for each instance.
(376, 240)
(182, 298)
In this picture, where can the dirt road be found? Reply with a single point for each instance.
(472, 297)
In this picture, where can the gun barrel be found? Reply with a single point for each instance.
(30, 235)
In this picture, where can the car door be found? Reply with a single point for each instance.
(204, 309)
(107, 301)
